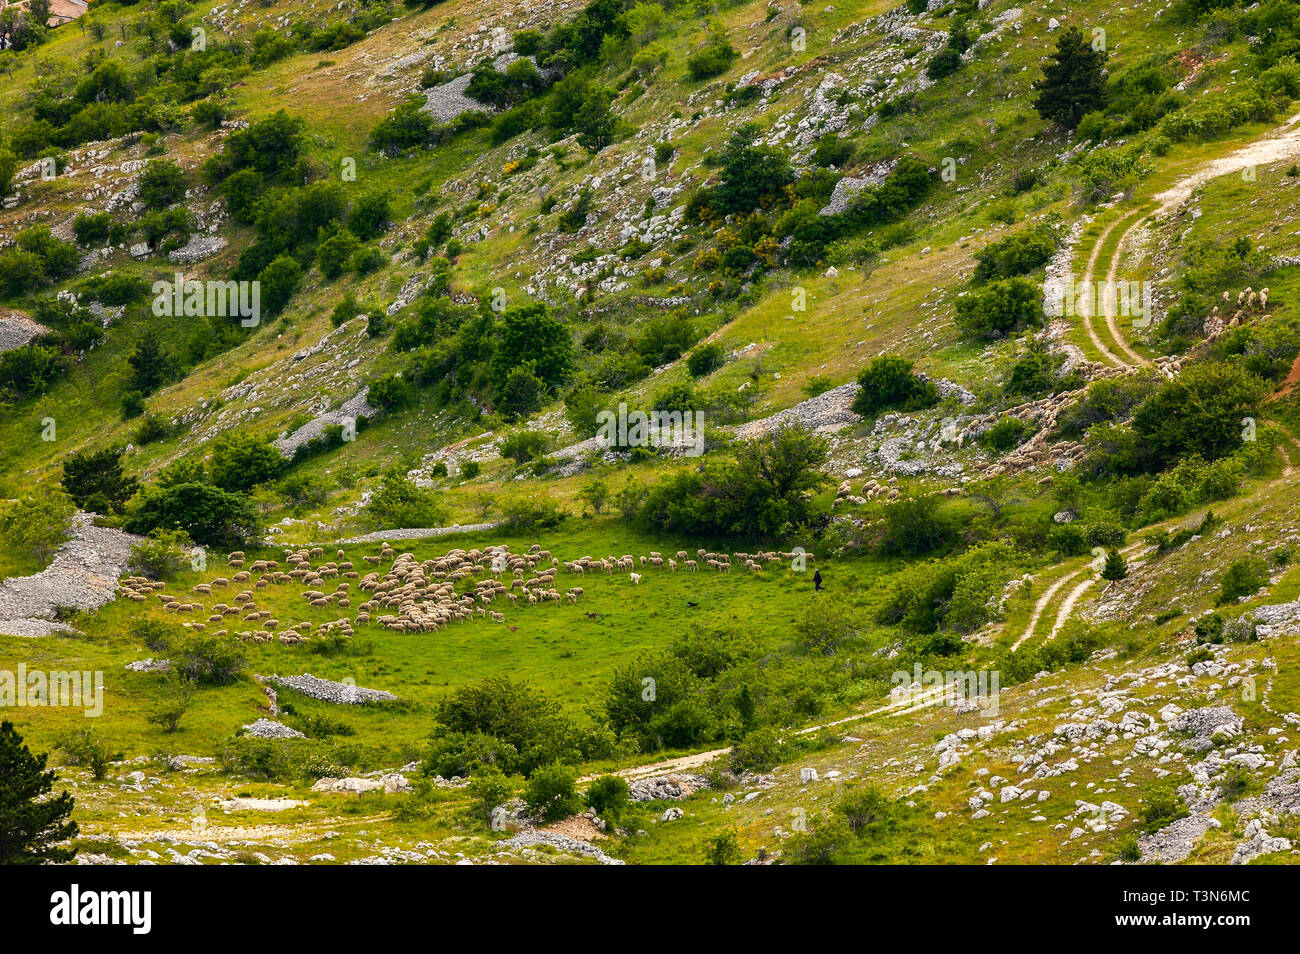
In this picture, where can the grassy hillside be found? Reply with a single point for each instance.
(478, 229)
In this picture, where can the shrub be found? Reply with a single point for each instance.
(817, 384)
(279, 283)
(503, 722)
(87, 749)
(162, 554)
(1244, 577)
(712, 59)
(399, 503)
(608, 797)
(210, 515)
(999, 308)
(162, 183)
(944, 63)
(172, 703)
(532, 512)
(723, 849)
(525, 445)
(767, 489)
(1016, 254)
(96, 477)
(889, 384)
(391, 393)
(551, 792)
(334, 254)
(241, 460)
(489, 789)
(1200, 411)
(832, 151)
(759, 751)
(92, 228)
(1162, 807)
(37, 524)
(705, 359)
(1007, 433)
(29, 370)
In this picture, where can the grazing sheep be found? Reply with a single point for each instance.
(672, 566)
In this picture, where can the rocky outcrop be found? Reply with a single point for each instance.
(82, 576)
(16, 330)
(340, 693)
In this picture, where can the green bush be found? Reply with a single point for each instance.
(525, 445)
(162, 183)
(210, 515)
(1163, 806)
(888, 384)
(1000, 308)
(551, 793)
(162, 554)
(399, 503)
(608, 797)
(86, 748)
(705, 359)
(1006, 433)
(1244, 577)
(712, 59)
(489, 789)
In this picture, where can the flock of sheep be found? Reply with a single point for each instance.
(411, 596)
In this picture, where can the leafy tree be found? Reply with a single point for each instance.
(533, 334)
(1074, 82)
(400, 503)
(1202, 411)
(279, 283)
(31, 823)
(241, 460)
(210, 515)
(95, 482)
(36, 524)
